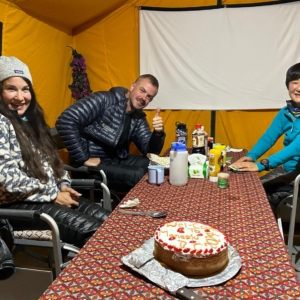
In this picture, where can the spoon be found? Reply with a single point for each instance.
(154, 214)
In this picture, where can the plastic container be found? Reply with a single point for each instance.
(181, 133)
(198, 145)
(215, 156)
(223, 180)
(178, 164)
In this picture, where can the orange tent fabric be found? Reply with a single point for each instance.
(106, 34)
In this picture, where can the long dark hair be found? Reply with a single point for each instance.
(34, 137)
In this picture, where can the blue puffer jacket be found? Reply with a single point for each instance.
(92, 127)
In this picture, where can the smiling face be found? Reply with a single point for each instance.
(141, 94)
(294, 91)
(16, 94)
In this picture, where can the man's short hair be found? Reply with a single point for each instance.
(150, 77)
(293, 73)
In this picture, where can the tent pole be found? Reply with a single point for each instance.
(1, 38)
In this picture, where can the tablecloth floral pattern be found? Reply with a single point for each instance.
(241, 211)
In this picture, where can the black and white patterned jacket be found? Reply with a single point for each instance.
(92, 127)
(15, 185)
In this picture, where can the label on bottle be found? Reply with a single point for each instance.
(214, 163)
(198, 141)
(222, 183)
(181, 139)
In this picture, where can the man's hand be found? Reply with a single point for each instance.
(157, 121)
(65, 199)
(92, 162)
(245, 166)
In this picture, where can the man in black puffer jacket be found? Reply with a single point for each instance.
(98, 129)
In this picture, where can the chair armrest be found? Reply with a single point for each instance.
(19, 214)
(86, 170)
(83, 183)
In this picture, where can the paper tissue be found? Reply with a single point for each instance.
(198, 166)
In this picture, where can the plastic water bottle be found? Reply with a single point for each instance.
(178, 164)
(181, 133)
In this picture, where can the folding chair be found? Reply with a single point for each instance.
(293, 217)
(31, 282)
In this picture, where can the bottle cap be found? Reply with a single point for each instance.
(178, 146)
(219, 146)
(181, 126)
(198, 126)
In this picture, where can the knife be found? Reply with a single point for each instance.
(187, 294)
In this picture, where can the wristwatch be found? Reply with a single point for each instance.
(265, 163)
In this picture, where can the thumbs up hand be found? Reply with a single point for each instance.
(157, 121)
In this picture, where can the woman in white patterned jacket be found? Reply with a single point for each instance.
(31, 172)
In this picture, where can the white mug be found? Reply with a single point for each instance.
(156, 174)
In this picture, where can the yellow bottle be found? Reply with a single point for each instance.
(221, 147)
(215, 156)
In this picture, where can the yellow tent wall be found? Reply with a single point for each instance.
(43, 48)
(113, 59)
(111, 48)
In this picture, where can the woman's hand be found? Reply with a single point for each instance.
(65, 199)
(74, 194)
(245, 166)
(243, 159)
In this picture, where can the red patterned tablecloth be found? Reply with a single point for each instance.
(241, 210)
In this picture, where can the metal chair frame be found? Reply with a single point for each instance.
(87, 171)
(19, 284)
(293, 251)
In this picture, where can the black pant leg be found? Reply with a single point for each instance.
(123, 174)
(278, 185)
(75, 226)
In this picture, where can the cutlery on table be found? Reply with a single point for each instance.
(154, 214)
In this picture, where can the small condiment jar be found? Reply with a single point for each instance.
(223, 180)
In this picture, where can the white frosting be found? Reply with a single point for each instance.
(191, 238)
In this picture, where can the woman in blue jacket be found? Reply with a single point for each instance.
(285, 164)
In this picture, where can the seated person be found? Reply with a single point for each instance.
(32, 176)
(98, 129)
(278, 183)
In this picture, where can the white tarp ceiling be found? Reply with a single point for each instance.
(220, 59)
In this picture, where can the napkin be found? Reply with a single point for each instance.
(198, 167)
(130, 203)
(229, 149)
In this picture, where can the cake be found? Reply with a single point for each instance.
(191, 248)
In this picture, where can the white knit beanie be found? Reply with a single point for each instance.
(10, 66)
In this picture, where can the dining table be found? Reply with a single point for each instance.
(241, 211)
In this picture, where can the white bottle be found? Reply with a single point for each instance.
(178, 164)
